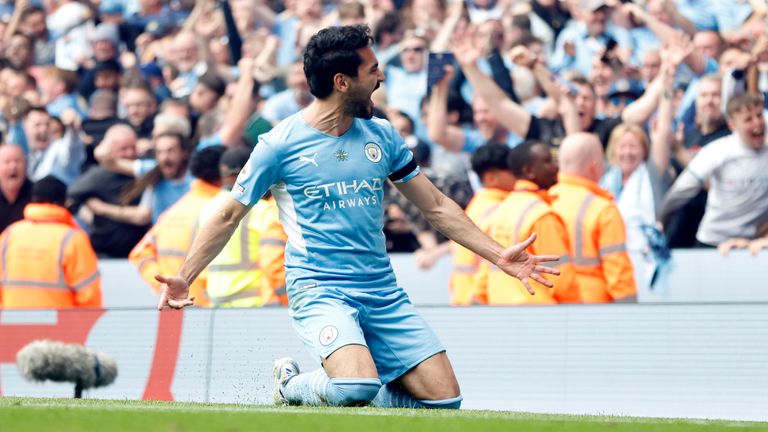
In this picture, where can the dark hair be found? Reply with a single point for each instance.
(31, 10)
(407, 118)
(489, 157)
(205, 163)
(35, 108)
(390, 22)
(151, 177)
(742, 100)
(333, 50)
(49, 190)
(521, 156)
(580, 80)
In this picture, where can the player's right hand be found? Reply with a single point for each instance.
(173, 293)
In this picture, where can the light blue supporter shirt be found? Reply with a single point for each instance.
(329, 191)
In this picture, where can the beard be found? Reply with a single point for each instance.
(362, 109)
(360, 104)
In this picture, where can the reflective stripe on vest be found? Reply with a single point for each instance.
(245, 263)
(245, 294)
(271, 242)
(465, 269)
(171, 253)
(87, 281)
(579, 258)
(60, 284)
(521, 219)
(487, 213)
(578, 253)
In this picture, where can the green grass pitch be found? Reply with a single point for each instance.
(65, 415)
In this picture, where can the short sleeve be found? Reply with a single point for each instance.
(704, 163)
(260, 173)
(403, 166)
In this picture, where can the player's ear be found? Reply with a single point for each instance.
(341, 82)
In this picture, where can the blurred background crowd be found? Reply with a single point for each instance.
(129, 119)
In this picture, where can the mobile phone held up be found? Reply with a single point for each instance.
(436, 66)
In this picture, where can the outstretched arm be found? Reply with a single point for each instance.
(447, 217)
(207, 244)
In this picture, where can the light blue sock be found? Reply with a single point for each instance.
(316, 388)
(306, 388)
(391, 396)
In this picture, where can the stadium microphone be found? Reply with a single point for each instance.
(43, 360)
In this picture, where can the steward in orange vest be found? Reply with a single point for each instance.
(164, 248)
(595, 226)
(489, 162)
(47, 260)
(525, 211)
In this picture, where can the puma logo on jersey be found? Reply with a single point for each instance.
(309, 160)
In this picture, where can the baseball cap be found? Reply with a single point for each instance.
(626, 87)
(111, 7)
(106, 31)
(593, 5)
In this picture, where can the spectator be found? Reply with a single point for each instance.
(587, 37)
(249, 271)
(524, 211)
(15, 187)
(489, 162)
(29, 20)
(140, 108)
(105, 44)
(387, 34)
(639, 173)
(58, 90)
(406, 83)
(102, 114)
(185, 57)
(578, 103)
(595, 226)
(709, 125)
(736, 168)
(61, 158)
(19, 52)
(455, 138)
(115, 228)
(163, 248)
(291, 100)
(47, 260)
(161, 182)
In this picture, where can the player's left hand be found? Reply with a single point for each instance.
(516, 262)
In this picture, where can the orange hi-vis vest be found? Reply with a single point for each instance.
(166, 245)
(597, 234)
(466, 263)
(526, 210)
(48, 262)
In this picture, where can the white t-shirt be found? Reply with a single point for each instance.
(738, 192)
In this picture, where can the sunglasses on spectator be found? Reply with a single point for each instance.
(414, 49)
(618, 100)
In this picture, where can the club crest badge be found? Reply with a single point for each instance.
(373, 152)
(328, 334)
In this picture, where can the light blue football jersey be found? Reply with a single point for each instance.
(329, 191)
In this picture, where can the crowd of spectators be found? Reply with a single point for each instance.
(114, 98)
